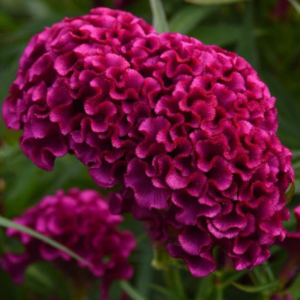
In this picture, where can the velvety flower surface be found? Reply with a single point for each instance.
(209, 170)
(81, 221)
(72, 90)
(188, 129)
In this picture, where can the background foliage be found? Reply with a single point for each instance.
(266, 33)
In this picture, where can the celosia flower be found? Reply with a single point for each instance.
(71, 90)
(188, 129)
(209, 170)
(81, 221)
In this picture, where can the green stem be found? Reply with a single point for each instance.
(253, 278)
(269, 271)
(261, 280)
(178, 282)
(201, 289)
(260, 276)
(174, 281)
(219, 292)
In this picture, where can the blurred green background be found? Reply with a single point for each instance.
(265, 32)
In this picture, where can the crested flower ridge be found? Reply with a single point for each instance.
(188, 129)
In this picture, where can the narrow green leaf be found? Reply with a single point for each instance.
(246, 46)
(187, 18)
(214, 2)
(159, 16)
(38, 280)
(288, 111)
(134, 295)
(143, 266)
(295, 4)
(226, 280)
(161, 259)
(10, 224)
(164, 291)
(254, 288)
(290, 193)
(205, 287)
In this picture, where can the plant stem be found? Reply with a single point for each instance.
(269, 271)
(219, 292)
(174, 281)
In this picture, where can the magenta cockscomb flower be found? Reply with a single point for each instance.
(74, 89)
(188, 129)
(81, 221)
(209, 170)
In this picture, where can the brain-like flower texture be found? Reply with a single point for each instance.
(189, 130)
(81, 221)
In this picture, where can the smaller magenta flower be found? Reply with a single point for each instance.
(81, 221)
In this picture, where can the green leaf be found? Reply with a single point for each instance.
(161, 259)
(38, 280)
(187, 18)
(228, 278)
(164, 291)
(254, 288)
(246, 46)
(134, 295)
(10, 224)
(214, 2)
(290, 193)
(9, 290)
(43, 278)
(288, 111)
(6, 21)
(219, 34)
(159, 17)
(143, 266)
(295, 4)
